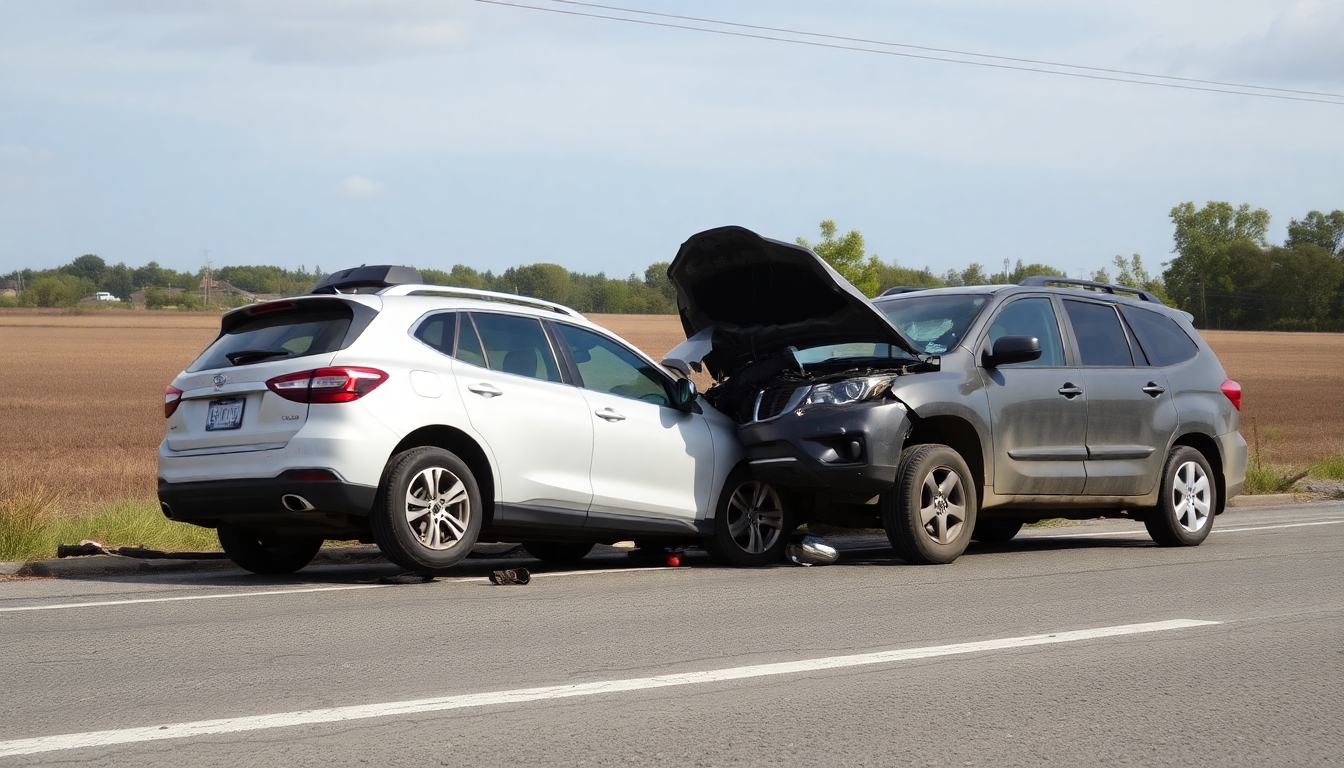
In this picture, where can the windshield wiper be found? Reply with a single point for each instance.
(255, 355)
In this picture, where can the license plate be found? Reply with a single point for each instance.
(225, 413)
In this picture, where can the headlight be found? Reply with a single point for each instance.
(847, 391)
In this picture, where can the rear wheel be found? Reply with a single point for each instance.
(265, 553)
(429, 510)
(558, 551)
(752, 523)
(995, 530)
(1185, 508)
(930, 512)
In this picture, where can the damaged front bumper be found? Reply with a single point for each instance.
(849, 451)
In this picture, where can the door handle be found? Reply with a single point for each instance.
(1070, 390)
(609, 415)
(485, 390)
(1153, 390)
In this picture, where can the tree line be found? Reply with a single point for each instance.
(1224, 272)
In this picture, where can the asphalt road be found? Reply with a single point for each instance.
(1088, 645)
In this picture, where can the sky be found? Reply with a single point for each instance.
(435, 132)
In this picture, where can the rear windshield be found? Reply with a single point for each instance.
(935, 322)
(278, 335)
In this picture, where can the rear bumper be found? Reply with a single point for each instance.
(1233, 448)
(817, 450)
(258, 503)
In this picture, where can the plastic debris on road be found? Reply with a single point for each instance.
(510, 576)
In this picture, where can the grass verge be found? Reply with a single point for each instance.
(32, 525)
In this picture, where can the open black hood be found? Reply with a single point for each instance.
(762, 296)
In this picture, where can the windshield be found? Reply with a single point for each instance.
(862, 351)
(935, 322)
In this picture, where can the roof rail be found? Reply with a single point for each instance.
(1092, 285)
(472, 293)
(902, 289)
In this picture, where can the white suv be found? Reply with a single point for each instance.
(427, 418)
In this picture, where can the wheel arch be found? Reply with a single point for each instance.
(1208, 447)
(466, 448)
(959, 435)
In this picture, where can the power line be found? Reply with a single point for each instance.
(950, 50)
(901, 54)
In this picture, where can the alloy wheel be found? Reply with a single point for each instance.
(1190, 497)
(942, 508)
(755, 517)
(437, 508)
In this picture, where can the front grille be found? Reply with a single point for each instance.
(772, 402)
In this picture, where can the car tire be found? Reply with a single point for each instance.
(265, 553)
(1187, 501)
(930, 513)
(428, 513)
(995, 530)
(560, 552)
(752, 523)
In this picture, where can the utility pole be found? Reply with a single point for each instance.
(1006, 277)
(1203, 304)
(206, 252)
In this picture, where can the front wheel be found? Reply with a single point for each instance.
(428, 514)
(930, 513)
(752, 523)
(1184, 513)
(266, 553)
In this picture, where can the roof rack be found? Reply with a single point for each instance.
(472, 293)
(1091, 285)
(902, 289)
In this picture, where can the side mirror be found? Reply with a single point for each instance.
(678, 365)
(1011, 349)
(683, 393)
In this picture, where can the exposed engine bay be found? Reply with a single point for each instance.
(772, 385)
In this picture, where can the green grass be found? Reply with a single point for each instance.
(1271, 478)
(1329, 468)
(32, 525)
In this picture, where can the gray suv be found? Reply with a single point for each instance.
(953, 414)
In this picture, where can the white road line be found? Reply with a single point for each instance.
(190, 597)
(1139, 533)
(262, 593)
(519, 696)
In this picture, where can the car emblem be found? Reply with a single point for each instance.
(221, 380)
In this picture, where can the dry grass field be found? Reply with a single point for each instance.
(81, 414)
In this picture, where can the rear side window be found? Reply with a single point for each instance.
(1160, 337)
(516, 345)
(285, 333)
(439, 332)
(1101, 339)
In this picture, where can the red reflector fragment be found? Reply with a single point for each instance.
(1233, 391)
(327, 385)
(172, 397)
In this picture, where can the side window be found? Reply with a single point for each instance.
(1161, 338)
(606, 366)
(1101, 339)
(1031, 317)
(438, 332)
(516, 345)
(469, 349)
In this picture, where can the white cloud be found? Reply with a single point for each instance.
(1302, 45)
(358, 186)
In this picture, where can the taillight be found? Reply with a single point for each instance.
(327, 385)
(1233, 391)
(172, 397)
